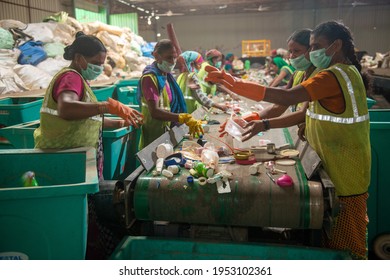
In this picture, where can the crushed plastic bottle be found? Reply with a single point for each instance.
(29, 180)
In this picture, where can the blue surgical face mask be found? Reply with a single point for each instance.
(166, 67)
(300, 63)
(218, 64)
(320, 59)
(92, 71)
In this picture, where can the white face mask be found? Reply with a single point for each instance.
(166, 67)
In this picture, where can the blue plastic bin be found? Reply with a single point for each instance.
(15, 110)
(48, 221)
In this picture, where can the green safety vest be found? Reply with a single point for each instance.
(342, 141)
(191, 101)
(153, 128)
(205, 86)
(57, 133)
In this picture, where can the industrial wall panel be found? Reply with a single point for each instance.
(19, 2)
(9, 11)
(54, 6)
(88, 16)
(125, 20)
(38, 15)
(369, 26)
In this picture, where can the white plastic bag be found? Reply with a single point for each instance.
(33, 77)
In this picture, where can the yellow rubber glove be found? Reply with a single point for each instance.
(194, 125)
(247, 89)
(130, 115)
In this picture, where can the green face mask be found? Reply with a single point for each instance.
(92, 71)
(320, 59)
(218, 64)
(300, 63)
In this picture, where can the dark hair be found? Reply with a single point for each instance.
(87, 45)
(333, 30)
(302, 37)
(163, 45)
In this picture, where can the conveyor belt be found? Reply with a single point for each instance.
(253, 200)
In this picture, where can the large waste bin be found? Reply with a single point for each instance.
(379, 190)
(15, 110)
(146, 248)
(48, 221)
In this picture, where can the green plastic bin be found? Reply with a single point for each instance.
(370, 102)
(127, 95)
(146, 248)
(120, 146)
(379, 191)
(48, 221)
(20, 136)
(15, 110)
(103, 93)
(126, 83)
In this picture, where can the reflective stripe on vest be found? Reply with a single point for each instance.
(53, 112)
(355, 119)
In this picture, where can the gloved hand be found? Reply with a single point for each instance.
(253, 116)
(247, 89)
(195, 126)
(130, 115)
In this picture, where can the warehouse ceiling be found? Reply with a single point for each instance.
(221, 7)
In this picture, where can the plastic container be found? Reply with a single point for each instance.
(370, 102)
(379, 190)
(48, 221)
(19, 136)
(15, 110)
(127, 95)
(120, 146)
(144, 248)
(235, 129)
(103, 93)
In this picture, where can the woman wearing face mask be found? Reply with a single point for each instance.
(298, 46)
(162, 100)
(283, 72)
(71, 117)
(213, 58)
(337, 126)
(189, 83)
(70, 114)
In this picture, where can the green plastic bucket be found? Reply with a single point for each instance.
(48, 221)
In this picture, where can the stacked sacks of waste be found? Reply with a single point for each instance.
(30, 54)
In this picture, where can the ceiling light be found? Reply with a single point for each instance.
(158, 34)
(139, 8)
(157, 17)
(193, 10)
(222, 7)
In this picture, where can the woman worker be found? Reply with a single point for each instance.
(337, 126)
(283, 71)
(189, 84)
(71, 116)
(162, 100)
(298, 46)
